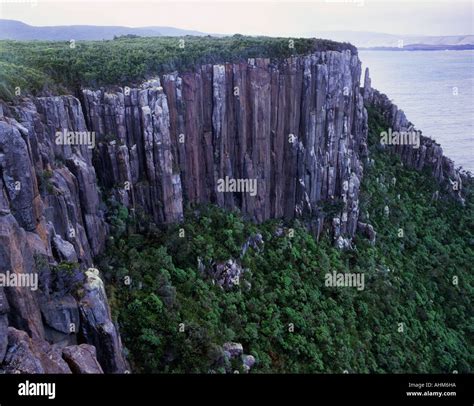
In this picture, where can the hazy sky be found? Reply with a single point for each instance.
(286, 18)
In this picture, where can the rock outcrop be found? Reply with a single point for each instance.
(96, 325)
(368, 231)
(225, 274)
(50, 214)
(428, 154)
(28, 355)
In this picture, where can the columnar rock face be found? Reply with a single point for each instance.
(428, 154)
(294, 129)
(297, 128)
(50, 212)
(135, 150)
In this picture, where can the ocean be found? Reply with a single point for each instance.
(435, 89)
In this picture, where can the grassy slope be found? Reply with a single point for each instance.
(335, 329)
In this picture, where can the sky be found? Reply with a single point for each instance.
(283, 18)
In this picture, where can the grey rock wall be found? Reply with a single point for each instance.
(50, 211)
(296, 127)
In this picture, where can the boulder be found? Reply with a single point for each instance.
(82, 359)
(233, 350)
(342, 243)
(248, 361)
(27, 355)
(65, 249)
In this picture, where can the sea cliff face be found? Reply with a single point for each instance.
(427, 155)
(297, 127)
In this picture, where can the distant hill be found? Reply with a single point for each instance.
(16, 30)
(362, 39)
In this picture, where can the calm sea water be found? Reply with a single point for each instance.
(435, 89)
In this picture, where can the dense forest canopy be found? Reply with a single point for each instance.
(58, 67)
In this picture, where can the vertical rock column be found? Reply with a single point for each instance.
(295, 126)
(135, 150)
(53, 215)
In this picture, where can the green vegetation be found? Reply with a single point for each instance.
(16, 79)
(44, 182)
(408, 280)
(42, 66)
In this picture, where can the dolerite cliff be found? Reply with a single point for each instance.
(429, 154)
(50, 212)
(297, 126)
